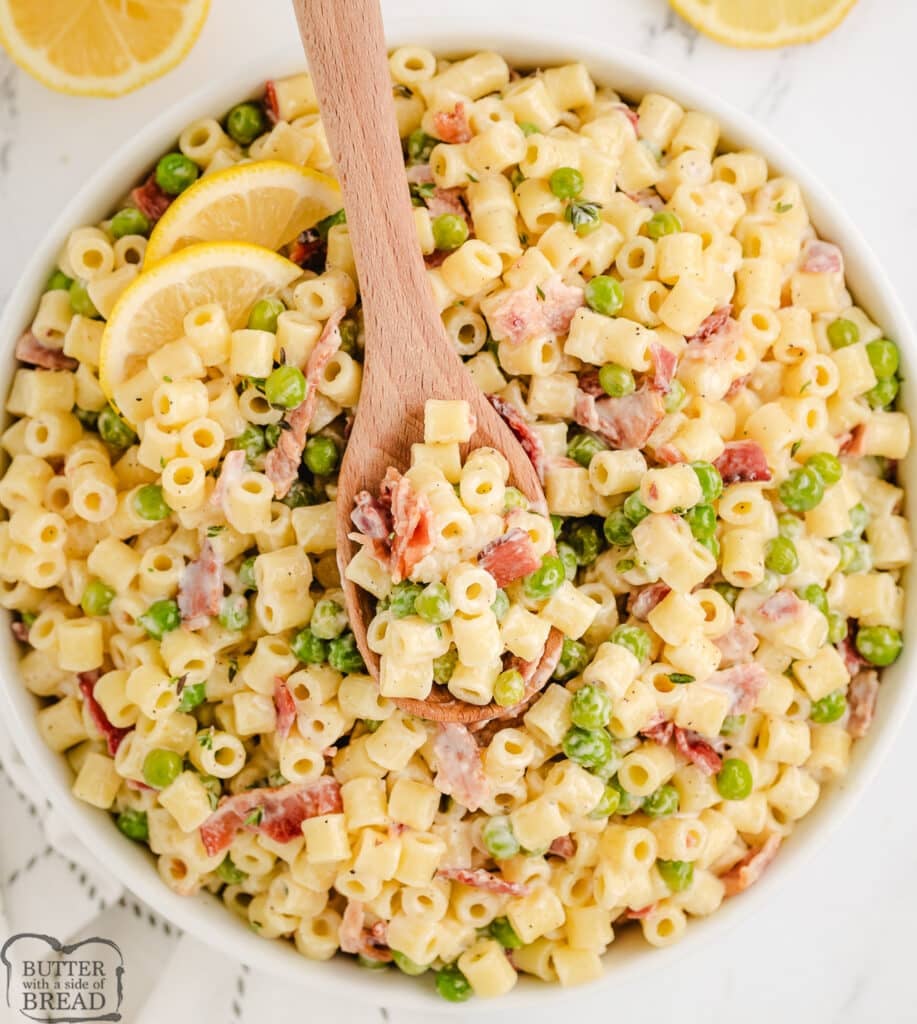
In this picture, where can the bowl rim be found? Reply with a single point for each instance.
(526, 46)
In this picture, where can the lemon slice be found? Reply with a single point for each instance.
(99, 47)
(150, 312)
(763, 23)
(267, 203)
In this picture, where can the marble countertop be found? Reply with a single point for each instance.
(835, 945)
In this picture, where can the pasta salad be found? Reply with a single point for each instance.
(605, 714)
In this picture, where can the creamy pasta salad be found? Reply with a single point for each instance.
(613, 714)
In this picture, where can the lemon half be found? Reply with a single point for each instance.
(763, 23)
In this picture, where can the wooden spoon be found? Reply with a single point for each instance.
(408, 357)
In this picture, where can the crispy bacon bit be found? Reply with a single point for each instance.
(562, 846)
(862, 695)
(712, 324)
(138, 786)
(282, 463)
(112, 733)
(479, 878)
(150, 199)
(717, 338)
(460, 773)
(509, 557)
(751, 867)
(34, 352)
(854, 662)
(697, 750)
(354, 936)
(285, 707)
(517, 316)
(744, 683)
(277, 812)
(639, 913)
(230, 474)
(649, 198)
(271, 106)
(447, 200)
(412, 525)
(371, 517)
(588, 383)
(560, 303)
(660, 729)
(642, 601)
(821, 258)
(527, 438)
(742, 460)
(780, 607)
(854, 442)
(310, 251)
(664, 363)
(622, 422)
(200, 588)
(20, 631)
(419, 174)
(738, 645)
(631, 115)
(452, 125)
(669, 454)
(736, 386)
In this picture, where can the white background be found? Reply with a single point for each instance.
(837, 944)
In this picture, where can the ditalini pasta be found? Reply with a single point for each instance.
(612, 713)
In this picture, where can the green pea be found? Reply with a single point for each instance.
(97, 598)
(661, 803)
(272, 432)
(780, 556)
(733, 780)
(247, 573)
(509, 688)
(585, 540)
(245, 122)
(803, 490)
(702, 520)
(250, 441)
(627, 802)
(625, 565)
(827, 466)
(403, 598)
(449, 231)
(150, 504)
(501, 605)
(432, 604)
(160, 618)
(406, 965)
(635, 639)
(80, 302)
(674, 400)
(129, 221)
(113, 430)
(727, 592)
(420, 146)
(789, 525)
(504, 933)
(837, 627)
(227, 872)
(711, 483)
(842, 333)
(568, 556)
(574, 657)
(634, 508)
(566, 182)
(712, 545)
(58, 282)
(322, 455)
(856, 556)
(371, 724)
(514, 498)
(883, 357)
(233, 612)
(883, 394)
(192, 697)
(604, 295)
(369, 964)
(545, 580)
(582, 448)
(134, 825)
(285, 387)
(302, 494)
(350, 333)
(732, 724)
(264, 313)
(618, 528)
(175, 172)
(591, 707)
(161, 767)
(557, 523)
(589, 748)
(879, 645)
(816, 595)
(829, 709)
(677, 874)
(616, 380)
(309, 648)
(444, 666)
(452, 985)
(329, 619)
(608, 803)
(584, 217)
(344, 655)
(663, 223)
(528, 128)
(498, 837)
(859, 520)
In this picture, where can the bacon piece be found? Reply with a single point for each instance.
(743, 682)
(751, 867)
(649, 198)
(230, 474)
(150, 199)
(854, 441)
(282, 463)
(310, 251)
(371, 517)
(742, 460)
(664, 363)
(20, 631)
(668, 454)
(631, 115)
(282, 809)
(712, 324)
(697, 750)
(642, 601)
(447, 200)
(780, 607)
(138, 786)
(285, 707)
(716, 340)
(854, 662)
(354, 936)
(34, 352)
(862, 695)
(509, 557)
(112, 733)
(821, 258)
(412, 525)
(625, 422)
(517, 316)
(452, 125)
(738, 645)
(200, 588)
(562, 846)
(560, 303)
(639, 913)
(480, 878)
(460, 773)
(736, 386)
(588, 383)
(527, 438)
(271, 106)
(660, 729)
(419, 174)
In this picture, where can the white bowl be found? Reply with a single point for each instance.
(205, 917)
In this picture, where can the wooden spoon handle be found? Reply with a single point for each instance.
(345, 44)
